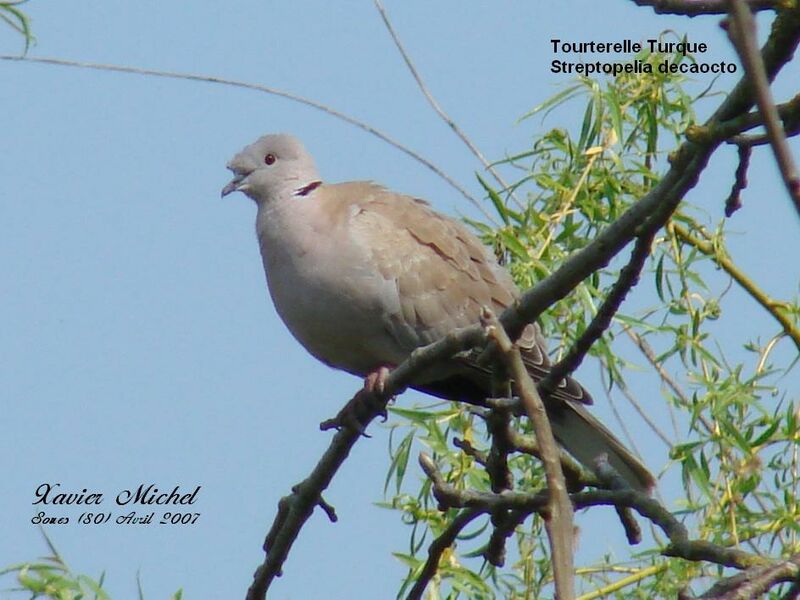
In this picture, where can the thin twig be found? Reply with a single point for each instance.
(467, 448)
(791, 127)
(734, 199)
(628, 278)
(438, 547)
(497, 426)
(665, 377)
(680, 546)
(504, 528)
(720, 257)
(629, 439)
(730, 129)
(637, 406)
(558, 517)
(437, 107)
(742, 32)
(294, 510)
(267, 90)
(637, 576)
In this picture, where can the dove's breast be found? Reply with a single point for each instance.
(325, 291)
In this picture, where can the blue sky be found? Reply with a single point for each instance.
(139, 344)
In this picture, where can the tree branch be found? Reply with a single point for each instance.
(680, 545)
(504, 527)
(755, 581)
(294, 510)
(628, 278)
(558, 518)
(730, 130)
(791, 127)
(694, 8)
(734, 200)
(742, 32)
(576, 476)
(438, 547)
(498, 423)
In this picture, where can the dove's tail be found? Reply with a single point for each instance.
(583, 436)
(586, 438)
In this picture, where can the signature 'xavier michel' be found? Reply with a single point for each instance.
(362, 276)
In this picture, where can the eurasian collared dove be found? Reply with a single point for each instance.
(362, 276)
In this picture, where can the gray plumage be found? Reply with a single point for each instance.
(362, 276)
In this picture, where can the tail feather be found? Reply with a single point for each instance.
(586, 438)
(583, 436)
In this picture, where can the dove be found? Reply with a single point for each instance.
(362, 276)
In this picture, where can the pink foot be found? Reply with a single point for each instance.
(375, 382)
(362, 407)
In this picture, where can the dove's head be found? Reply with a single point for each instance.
(272, 166)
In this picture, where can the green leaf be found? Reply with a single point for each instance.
(556, 100)
(17, 20)
(660, 278)
(615, 113)
(512, 243)
(499, 205)
(587, 126)
(397, 468)
(766, 435)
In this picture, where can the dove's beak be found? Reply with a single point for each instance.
(234, 186)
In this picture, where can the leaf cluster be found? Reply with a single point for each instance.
(734, 429)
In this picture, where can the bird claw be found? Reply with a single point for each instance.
(375, 382)
(348, 417)
(351, 414)
(362, 405)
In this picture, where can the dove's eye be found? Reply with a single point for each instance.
(269, 158)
